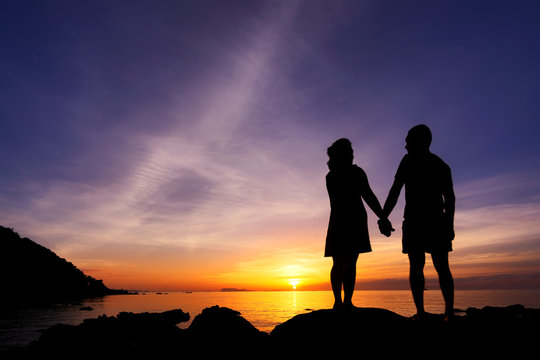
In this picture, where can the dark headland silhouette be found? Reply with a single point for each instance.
(31, 274)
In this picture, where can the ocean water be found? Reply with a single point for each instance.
(264, 309)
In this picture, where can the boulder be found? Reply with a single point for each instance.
(332, 333)
(225, 332)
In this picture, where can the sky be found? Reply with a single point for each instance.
(181, 145)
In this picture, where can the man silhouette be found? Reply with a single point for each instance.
(428, 220)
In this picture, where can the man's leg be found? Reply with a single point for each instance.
(446, 281)
(417, 261)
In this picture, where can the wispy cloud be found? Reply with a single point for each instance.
(188, 183)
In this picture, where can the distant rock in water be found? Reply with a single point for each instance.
(233, 290)
(31, 273)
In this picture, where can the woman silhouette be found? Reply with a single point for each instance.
(347, 235)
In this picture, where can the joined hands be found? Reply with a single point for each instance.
(385, 227)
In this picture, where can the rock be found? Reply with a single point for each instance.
(216, 322)
(503, 330)
(490, 313)
(167, 318)
(126, 335)
(332, 333)
(223, 331)
(333, 321)
(480, 332)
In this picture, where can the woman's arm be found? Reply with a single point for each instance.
(373, 202)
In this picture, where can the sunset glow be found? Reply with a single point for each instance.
(182, 145)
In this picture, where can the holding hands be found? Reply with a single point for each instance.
(385, 227)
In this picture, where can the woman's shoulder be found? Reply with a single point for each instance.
(357, 170)
(353, 170)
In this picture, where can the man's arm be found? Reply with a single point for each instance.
(449, 209)
(392, 198)
(385, 226)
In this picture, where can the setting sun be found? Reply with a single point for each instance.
(294, 282)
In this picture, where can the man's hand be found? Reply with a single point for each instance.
(449, 224)
(451, 234)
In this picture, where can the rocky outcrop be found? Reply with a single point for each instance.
(331, 333)
(222, 333)
(125, 335)
(482, 332)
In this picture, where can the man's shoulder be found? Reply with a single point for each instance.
(404, 163)
(405, 159)
(438, 161)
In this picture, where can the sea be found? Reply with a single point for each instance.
(264, 309)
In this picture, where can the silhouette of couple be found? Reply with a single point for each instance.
(428, 220)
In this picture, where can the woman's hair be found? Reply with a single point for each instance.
(340, 154)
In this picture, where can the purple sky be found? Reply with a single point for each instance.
(194, 133)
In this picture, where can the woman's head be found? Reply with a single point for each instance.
(340, 154)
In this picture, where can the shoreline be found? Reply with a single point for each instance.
(20, 327)
(222, 332)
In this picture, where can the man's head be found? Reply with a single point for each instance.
(418, 139)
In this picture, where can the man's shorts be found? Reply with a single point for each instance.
(430, 235)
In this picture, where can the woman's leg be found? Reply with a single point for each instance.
(336, 279)
(349, 279)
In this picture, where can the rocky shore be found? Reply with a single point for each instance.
(222, 333)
